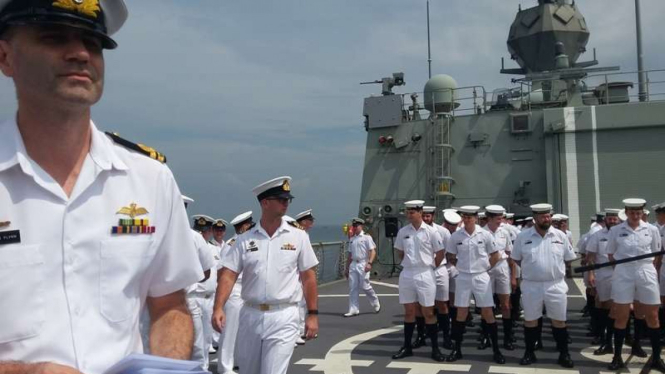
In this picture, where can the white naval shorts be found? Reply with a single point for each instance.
(662, 283)
(476, 284)
(635, 281)
(417, 285)
(553, 294)
(500, 278)
(604, 284)
(442, 284)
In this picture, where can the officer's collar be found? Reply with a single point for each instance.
(283, 227)
(13, 151)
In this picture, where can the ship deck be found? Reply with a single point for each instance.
(364, 344)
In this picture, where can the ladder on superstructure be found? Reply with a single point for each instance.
(441, 153)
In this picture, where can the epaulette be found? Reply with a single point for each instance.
(141, 148)
(296, 225)
(231, 242)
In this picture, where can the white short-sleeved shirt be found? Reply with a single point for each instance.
(360, 246)
(624, 242)
(597, 243)
(271, 265)
(472, 250)
(502, 241)
(445, 235)
(512, 231)
(71, 290)
(542, 258)
(419, 245)
(209, 257)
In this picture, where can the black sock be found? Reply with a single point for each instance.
(661, 317)
(654, 336)
(444, 325)
(515, 303)
(610, 328)
(601, 324)
(453, 313)
(493, 332)
(420, 326)
(638, 333)
(408, 333)
(432, 332)
(483, 328)
(561, 338)
(507, 329)
(539, 331)
(530, 338)
(619, 336)
(457, 332)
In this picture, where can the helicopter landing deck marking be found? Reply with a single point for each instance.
(426, 368)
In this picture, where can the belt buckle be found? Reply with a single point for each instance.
(264, 307)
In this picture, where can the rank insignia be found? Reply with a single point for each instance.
(88, 7)
(133, 225)
(4, 224)
(288, 247)
(286, 186)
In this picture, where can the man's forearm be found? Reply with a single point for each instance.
(372, 255)
(224, 286)
(172, 334)
(310, 289)
(15, 367)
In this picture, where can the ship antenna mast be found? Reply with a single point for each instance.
(641, 75)
(429, 50)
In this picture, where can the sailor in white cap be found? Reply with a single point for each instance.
(198, 292)
(542, 252)
(475, 252)
(500, 275)
(218, 233)
(228, 337)
(271, 255)
(361, 256)
(659, 210)
(635, 282)
(420, 250)
(590, 309)
(114, 217)
(451, 221)
(601, 281)
(442, 281)
(305, 219)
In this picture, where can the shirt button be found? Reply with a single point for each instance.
(77, 311)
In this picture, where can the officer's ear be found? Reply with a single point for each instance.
(5, 51)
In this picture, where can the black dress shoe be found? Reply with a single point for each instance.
(420, 342)
(438, 356)
(498, 358)
(448, 344)
(455, 355)
(402, 353)
(569, 340)
(604, 349)
(528, 359)
(596, 340)
(565, 360)
(638, 351)
(658, 364)
(485, 343)
(508, 345)
(617, 363)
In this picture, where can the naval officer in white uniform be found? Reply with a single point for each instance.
(542, 251)
(420, 250)
(474, 250)
(270, 255)
(226, 351)
(306, 221)
(361, 256)
(635, 282)
(91, 230)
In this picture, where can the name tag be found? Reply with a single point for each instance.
(252, 249)
(528, 242)
(10, 237)
(557, 242)
(480, 242)
(623, 235)
(603, 240)
(407, 237)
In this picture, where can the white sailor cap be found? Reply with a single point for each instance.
(634, 203)
(103, 18)
(357, 221)
(451, 216)
(414, 204)
(528, 219)
(277, 187)
(659, 208)
(612, 212)
(559, 217)
(201, 220)
(647, 212)
(288, 218)
(429, 209)
(482, 215)
(541, 208)
(622, 215)
(220, 224)
(469, 209)
(187, 199)
(241, 218)
(495, 209)
(510, 215)
(304, 215)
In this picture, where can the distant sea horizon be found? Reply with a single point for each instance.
(326, 233)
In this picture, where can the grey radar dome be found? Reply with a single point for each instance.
(441, 94)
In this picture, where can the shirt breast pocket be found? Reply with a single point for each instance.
(557, 251)
(123, 265)
(23, 292)
(288, 261)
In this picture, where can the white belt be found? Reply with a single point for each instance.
(268, 307)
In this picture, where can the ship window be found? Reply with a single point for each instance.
(520, 123)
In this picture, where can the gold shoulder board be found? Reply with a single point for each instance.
(140, 148)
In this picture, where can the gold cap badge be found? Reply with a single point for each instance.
(89, 8)
(286, 186)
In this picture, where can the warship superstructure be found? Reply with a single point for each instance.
(569, 132)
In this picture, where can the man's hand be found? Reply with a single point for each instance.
(311, 326)
(513, 283)
(368, 267)
(592, 279)
(218, 319)
(51, 368)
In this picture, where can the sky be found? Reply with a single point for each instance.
(238, 92)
